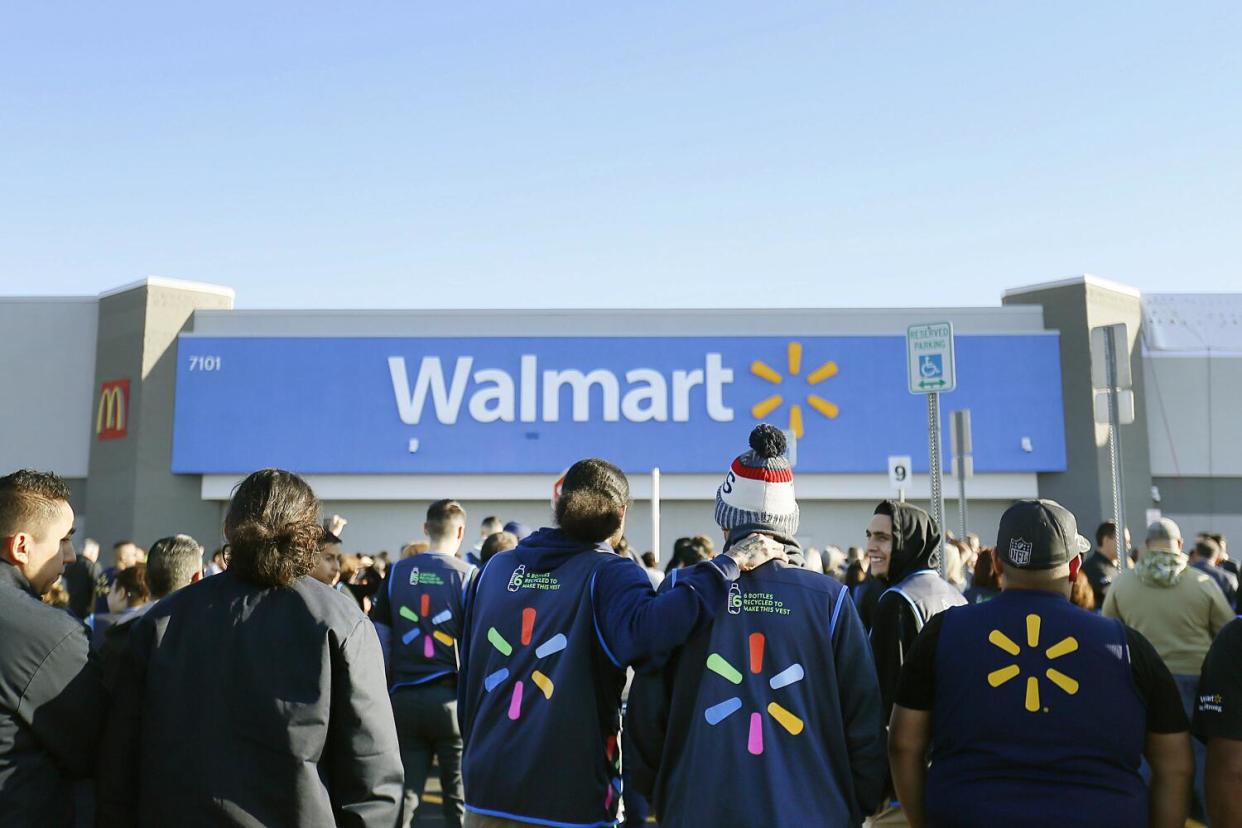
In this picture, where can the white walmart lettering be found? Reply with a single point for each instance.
(540, 395)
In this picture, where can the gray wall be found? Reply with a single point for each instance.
(1193, 402)
(1204, 504)
(1193, 406)
(48, 367)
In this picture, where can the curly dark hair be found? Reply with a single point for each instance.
(273, 528)
(593, 501)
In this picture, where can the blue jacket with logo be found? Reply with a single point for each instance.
(421, 604)
(778, 694)
(1035, 714)
(550, 627)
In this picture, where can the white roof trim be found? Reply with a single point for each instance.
(673, 313)
(175, 284)
(1084, 279)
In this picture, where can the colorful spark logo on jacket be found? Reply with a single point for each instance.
(1063, 647)
(717, 713)
(540, 679)
(429, 647)
(764, 407)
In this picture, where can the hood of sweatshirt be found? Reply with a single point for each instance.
(793, 550)
(915, 538)
(545, 549)
(1161, 568)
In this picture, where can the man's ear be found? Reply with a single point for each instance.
(461, 531)
(197, 576)
(16, 549)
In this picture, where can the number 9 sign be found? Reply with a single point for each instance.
(899, 472)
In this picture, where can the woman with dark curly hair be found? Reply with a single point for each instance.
(256, 697)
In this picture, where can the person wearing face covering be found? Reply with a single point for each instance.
(901, 542)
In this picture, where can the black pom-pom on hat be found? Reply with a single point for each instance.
(767, 441)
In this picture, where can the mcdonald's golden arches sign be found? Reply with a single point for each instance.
(112, 417)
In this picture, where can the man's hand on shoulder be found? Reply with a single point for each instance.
(754, 551)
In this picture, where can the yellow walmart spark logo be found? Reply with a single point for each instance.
(1063, 647)
(766, 406)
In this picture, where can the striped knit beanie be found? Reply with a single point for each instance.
(757, 494)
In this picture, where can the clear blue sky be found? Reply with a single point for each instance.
(637, 154)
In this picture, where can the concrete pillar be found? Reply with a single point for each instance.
(1073, 307)
(131, 491)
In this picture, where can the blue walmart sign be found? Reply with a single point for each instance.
(536, 404)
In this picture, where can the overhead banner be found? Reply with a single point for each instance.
(536, 404)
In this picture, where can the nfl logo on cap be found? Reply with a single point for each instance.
(1019, 552)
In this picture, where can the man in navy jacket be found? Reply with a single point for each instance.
(779, 689)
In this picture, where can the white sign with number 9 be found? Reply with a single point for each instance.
(899, 472)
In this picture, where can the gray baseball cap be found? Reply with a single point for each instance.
(1164, 534)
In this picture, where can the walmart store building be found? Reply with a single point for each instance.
(155, 398)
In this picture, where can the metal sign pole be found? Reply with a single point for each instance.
(655, 513)
(961, 495)
(1114, 447)
(934, 471)
(962, 465)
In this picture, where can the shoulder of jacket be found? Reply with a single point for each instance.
(1198, 576)
(338, 609)
(810, 579)
(31, 618)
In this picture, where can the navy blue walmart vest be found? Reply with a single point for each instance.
(1037, 719)
(543, 743)
(756, 701)
(425, 595)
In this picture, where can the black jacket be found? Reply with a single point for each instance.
(866, 595)
(51, 706)
(238, 705)
(894, 625)
(1100, 572)
(82, 579)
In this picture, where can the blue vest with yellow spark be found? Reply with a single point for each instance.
(1037, 719)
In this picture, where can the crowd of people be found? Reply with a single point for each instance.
(558, 677)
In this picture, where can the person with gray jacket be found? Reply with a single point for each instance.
(256, 697)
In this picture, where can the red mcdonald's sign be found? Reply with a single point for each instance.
(112, 418)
